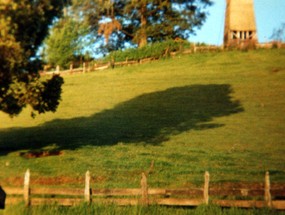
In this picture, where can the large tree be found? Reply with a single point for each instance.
(142, 21)
(24, 25)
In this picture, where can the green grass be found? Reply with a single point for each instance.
(216, 112)
(132, 210)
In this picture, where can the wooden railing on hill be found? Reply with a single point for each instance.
(244, 195)
(98, 67)
(195, 49)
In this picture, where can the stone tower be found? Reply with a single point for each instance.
(240, 27)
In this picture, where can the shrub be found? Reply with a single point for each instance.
(153, 50)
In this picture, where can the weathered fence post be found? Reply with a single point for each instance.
(206, 187)
(57, 69)
(194, 49)
(71, 67)
(87, 191)
(27, 188)
(267, 195)
(112, 63)
(144, 189)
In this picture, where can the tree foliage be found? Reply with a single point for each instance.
(23, 26)
(143, 21)
(64, 42)
(154, 51)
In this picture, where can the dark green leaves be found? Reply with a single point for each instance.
(145, 21)
(23, 26)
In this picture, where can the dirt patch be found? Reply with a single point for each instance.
(277, 69)
(52, 181)
(19, 181)
(12, 181)
(57, 180)
(39, 154)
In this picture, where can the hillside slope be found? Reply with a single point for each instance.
(221, 112)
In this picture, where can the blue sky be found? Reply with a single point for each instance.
(269, 14)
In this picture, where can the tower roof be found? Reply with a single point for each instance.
(241, 15)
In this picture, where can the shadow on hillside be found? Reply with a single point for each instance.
(150, 118)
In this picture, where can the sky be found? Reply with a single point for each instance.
(269, 15)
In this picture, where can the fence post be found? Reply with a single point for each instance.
(195, 48)
(112, 63)
(57, 69)
(71, 67)
(87, 191)
(27, 188)
(267, 195)
(144, 189)
(206, 187)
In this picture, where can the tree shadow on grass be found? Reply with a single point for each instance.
(150, 118)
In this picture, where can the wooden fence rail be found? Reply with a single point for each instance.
(87, 67)
(226, 195)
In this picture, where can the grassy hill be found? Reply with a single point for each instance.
(220, 112)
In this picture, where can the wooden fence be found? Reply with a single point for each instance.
(226, 195)
(85, 68)
(98, 67)
(102, 66)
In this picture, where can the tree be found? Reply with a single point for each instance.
(24, 25)
(64, 42)
(143, 21)
(278, 34)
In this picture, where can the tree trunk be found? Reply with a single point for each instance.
(143, 35)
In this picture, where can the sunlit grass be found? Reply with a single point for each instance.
(130, 210)
(216, 112)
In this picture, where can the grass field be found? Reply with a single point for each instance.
(132, 210)
(217, 112)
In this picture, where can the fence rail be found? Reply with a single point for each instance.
(86, 67)
(244, 195)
